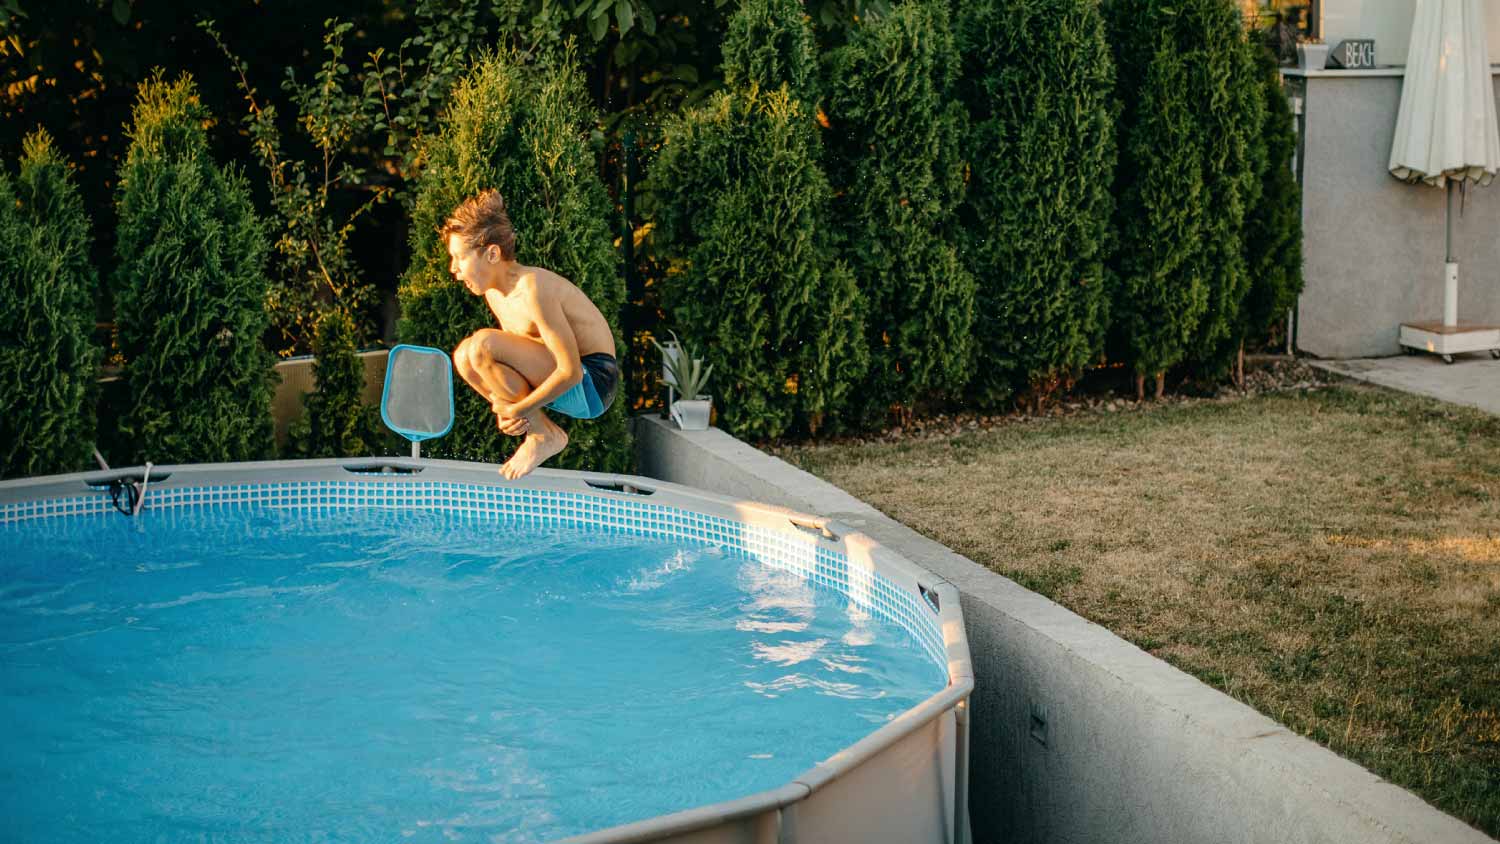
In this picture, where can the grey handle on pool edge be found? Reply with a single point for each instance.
(822, 527)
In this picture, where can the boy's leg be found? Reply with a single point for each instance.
(498, 364)
(488, 377)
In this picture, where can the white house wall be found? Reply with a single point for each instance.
(1373, 245)
(1389, 23)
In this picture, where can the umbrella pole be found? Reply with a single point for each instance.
(1450, 269)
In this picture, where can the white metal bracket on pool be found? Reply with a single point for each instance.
(904, 783)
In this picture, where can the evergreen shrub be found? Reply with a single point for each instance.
(898, 177)
(1038, 79)
(47, 358)
(1273, 226)
(1190, 106)
(770, 44)
(1232, 120)
(753, 273)
(190, 288)
(523, 130)
(336, 421)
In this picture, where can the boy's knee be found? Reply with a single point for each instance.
(467, 354)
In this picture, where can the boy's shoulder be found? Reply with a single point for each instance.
(542, 283)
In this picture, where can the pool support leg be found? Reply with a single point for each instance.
(961, 772)
(140, 499)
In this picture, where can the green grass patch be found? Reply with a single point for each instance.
(1330, 557)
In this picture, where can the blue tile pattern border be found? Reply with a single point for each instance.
(800, 554)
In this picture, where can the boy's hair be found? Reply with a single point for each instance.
(480, 221)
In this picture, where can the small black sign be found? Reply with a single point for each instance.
(1353, 53)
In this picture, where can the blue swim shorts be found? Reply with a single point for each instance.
(594, 394)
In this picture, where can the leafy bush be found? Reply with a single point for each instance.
(190, 285)
(1038, 81)
(898, 178)
(314, 264)
(1273, 226)
(522, 130)
(337, 422)
(744, 226)
(1186, 174)
(47, 361)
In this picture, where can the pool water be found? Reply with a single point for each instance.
(408, 675)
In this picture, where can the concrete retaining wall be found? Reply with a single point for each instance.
(1079, 736)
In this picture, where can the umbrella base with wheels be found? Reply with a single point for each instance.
(1449, 340)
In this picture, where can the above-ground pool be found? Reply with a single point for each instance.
(420, 651)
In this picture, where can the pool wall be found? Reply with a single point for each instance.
(1078, 735)
(903, 783)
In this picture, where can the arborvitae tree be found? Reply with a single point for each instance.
(898, 178)
(769, 44)
(753, 274)
(524, 131)
(190, 291)
(1231, 115)
(1160, 293)
(47, 362)
(1039, 82)
(337, 422)
(1273, 226)
(1184, 176)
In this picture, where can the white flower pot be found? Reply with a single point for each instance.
(1312, 56)
(692, 414)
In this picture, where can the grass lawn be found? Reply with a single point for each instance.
(1329, 556)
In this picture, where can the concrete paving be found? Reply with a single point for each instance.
(1472, 379)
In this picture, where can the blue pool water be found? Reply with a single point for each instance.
(397, 675)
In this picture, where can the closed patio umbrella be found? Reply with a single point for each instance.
(1446, 134)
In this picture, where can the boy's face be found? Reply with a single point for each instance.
(466, 263)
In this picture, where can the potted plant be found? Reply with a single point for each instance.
(1312, 53)
(685, 371)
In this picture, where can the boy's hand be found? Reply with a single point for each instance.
(510, 424)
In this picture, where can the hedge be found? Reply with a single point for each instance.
(190, 287)
(753, 274)
(1273, 226)
(1039, 82)
(898, 176)
(1231, 114)
(769, 44)
(47, 357)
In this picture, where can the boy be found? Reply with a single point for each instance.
(553, 348)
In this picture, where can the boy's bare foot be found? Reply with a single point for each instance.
(535, 449)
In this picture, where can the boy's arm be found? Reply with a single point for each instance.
(557, 335)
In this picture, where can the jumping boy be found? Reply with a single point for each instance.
(553, 348)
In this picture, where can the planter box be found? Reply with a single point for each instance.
(692, 414)
(1312, 56)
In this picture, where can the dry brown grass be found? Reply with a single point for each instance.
(1331, 557)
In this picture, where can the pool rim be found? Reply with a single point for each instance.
(821, 531)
